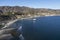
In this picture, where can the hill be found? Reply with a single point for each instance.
(13, 12)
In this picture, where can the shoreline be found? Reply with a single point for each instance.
(12, 21)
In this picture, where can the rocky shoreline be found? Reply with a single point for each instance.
(5, 33)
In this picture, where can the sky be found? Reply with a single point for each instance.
(52, 4)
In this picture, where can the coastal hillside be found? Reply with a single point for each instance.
(8, 10)
(8, 13)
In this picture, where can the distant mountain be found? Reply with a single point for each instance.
(13, 11)
(27, 9)
(8, 13)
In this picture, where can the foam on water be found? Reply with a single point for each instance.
(8, 24)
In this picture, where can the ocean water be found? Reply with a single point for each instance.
(41, 28)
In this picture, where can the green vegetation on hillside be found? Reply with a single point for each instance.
(13, 12)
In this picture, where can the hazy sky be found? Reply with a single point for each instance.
(54, 4)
